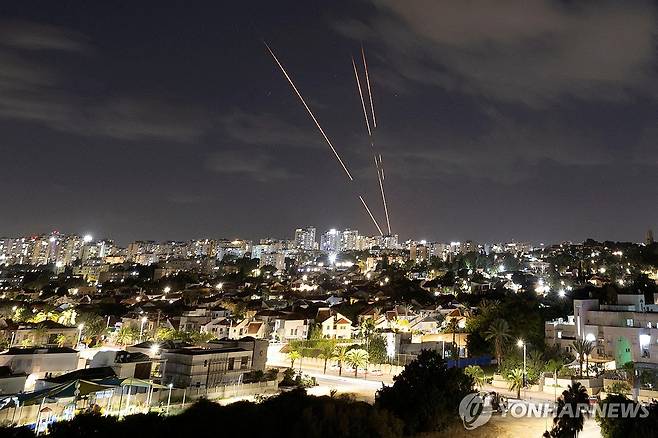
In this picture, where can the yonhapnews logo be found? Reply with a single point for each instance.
(475, 410)
(472, 411)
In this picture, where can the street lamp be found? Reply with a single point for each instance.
(521, 343)
(171, 385)
(80, 327)
(141, 328)
(167, 289)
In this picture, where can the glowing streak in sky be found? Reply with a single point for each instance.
(370, 213)
(378, 164)
(365, 68)
(347, 172)
(363, 104)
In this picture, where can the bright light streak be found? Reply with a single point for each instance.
(292, 84)
(365, 68)
(372, 144)
(363, 104)
(371, 216)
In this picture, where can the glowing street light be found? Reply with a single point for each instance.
(141, 328)
(561, 293)
(521, 343)
(87, 238)
(167, 289)
(80, 327)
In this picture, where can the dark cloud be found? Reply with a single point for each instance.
(34, 89)
(267, 129)
(33, 36)
(249, 165)
(524, 51)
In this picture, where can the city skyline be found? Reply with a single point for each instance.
(165, 123)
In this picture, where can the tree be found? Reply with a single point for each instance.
(377, 349)
(293, 355)
(583, 349)
(477, 374)
(499, 333)
(61, 340)
(357, 358)
(554, 366)
(366, 330)
(570, 414)
(515, 380)
(327, 347)
(341, 355)
(629, 370)
(94, 327)
(453, 327)
(126, 335)
(426, 394)
(164, 334)
(619, 426)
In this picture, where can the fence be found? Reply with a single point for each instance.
(130, 400)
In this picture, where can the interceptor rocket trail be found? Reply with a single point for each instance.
(378, 163)
(347, 172)
(370, 213)
(363, 104)
(310, 113)
(365, 68)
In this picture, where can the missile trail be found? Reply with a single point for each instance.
(370, 213)
(378, 164)
(365, 68)
(363, 104)
(333, 149)
(292, 84)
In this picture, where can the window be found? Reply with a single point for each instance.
(231, 363)
(629, 322)
(205, 363)
(243, 362)
(559, 335)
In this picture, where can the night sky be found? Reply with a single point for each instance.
(534, 120)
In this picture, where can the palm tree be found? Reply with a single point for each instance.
(554, 366)
(515, 379)
(629, 368)
(125, 335)
(61, 340)
(569, 425)
(583, 348)
(499, 333)
(293, 355)
(453, 327)
(477, 374)
(327, 348)
(341, 355)
(357, 358)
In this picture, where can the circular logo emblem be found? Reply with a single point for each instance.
(472, 411)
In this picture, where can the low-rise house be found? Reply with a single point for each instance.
(623, 332)
(45, 333)
(284, 326)
(206, 367)
(334, 325)
(124, 363)
(39, 362)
